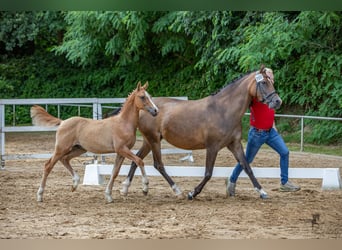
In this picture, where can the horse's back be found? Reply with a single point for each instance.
(162, 101)
(72, 127)
(74, 122)
(179, 122)
(93, 135)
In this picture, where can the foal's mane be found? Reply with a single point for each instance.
(129, 100)
(232, 83)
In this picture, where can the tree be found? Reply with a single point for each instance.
(21, 32)
(193, 53)
(117, 37)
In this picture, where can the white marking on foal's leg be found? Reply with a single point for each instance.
(145, 183)
(75, 181)
(125, 186)
(40, 194)
(108, 195)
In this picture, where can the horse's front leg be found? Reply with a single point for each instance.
(108, 192)
(211, 155)
(237, 150)
(143, 151)
(126, 152)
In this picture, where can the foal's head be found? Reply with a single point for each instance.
(143, 100)
(264, 88)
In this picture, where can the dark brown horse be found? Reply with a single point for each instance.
(210, 123)
(78, 135)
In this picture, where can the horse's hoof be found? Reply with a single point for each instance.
(262, 193)
(109, 198)
(40, 199)
(264, 196)
(145, 192)
(123, 193)
(190, 196)
(76, 181)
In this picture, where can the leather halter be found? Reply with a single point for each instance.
(266, 98)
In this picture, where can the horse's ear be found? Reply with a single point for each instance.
(138, 85)
(262, 68)
(145, 85)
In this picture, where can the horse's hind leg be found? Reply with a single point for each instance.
(76, 151)
(143, 151)
(159, 165)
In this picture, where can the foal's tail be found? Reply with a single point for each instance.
(42, 118)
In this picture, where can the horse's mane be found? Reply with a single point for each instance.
(118, 110)
(129, 99)
(232, 83)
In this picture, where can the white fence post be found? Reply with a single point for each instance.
(331, 179)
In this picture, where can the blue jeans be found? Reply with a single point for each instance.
(255, 140)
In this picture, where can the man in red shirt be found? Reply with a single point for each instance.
(262, 131)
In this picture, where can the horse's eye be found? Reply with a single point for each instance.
(142, 98)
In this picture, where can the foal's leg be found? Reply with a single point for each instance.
(211, 155)
(116, 169)
(237, 150)
(76, 151)
(143, 151)
(47, 169)
(122, 153)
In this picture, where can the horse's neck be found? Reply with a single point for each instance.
(238, 95)
(130, 112)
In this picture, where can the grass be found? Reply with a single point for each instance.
(317, 149)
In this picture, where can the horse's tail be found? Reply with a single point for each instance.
(40, 117)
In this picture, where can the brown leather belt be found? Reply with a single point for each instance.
(262, 130)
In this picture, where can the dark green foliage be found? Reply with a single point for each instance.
(181, 53)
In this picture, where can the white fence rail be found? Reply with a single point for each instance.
(94, 173)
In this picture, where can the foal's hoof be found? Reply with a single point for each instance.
(40, 195)
(123, 193)
(145, 192)
(190, 196)
(75, 182)
(109, 198)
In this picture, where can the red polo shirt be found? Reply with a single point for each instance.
(262, 117)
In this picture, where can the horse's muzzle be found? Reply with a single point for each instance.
(275, 103)
(153, 111)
